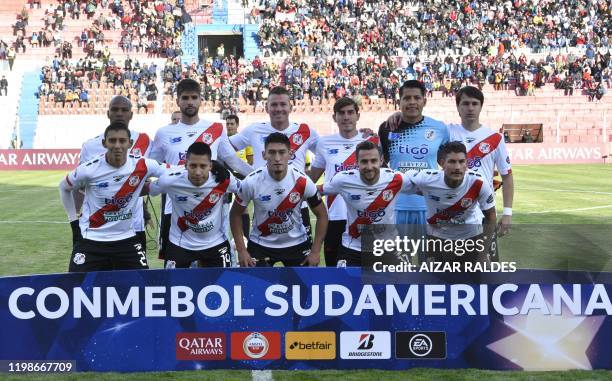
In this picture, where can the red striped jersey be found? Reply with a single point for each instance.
(454, 213)
(367, 204)
(277, 219)
(197, 211)
(111, 195)
(336, 154)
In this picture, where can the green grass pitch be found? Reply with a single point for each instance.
(559, 213)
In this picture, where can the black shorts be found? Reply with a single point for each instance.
(127, 254)
(164, 234)
(289, 256)
(333, 240)
(306, 221)
(348, 257)
(142, 238)
(216, 256)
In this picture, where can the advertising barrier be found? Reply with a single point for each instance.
(555, 153)
(39, 159)
(306, 318)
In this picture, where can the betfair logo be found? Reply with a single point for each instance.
(310, 345)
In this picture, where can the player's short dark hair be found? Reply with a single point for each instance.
(278, 90)
(343, 102)
(367, 145)
(233, 117)
(188, 84)
(117, 126)
(412, 84)
(277, 137)
(469, 91)
(199, 148)
(450, 147)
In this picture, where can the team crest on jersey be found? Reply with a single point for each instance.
(134, 180)
(294, 197)
(387, 195)
(136, 152)
(79, 258)
(207, 138)
(430, 134)
(213, 198)
(484, 147)
(297, 139)
(466, 202)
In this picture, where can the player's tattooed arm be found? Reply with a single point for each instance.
(244, 258)
(320, 213)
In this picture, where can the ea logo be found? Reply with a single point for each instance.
(484, 147)
(294, 197)
(420, 345)
(255, 345)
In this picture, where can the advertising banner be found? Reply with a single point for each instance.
(555, 153)
(38, 159)
(307, 318)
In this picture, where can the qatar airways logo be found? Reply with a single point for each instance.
(345, 167)
(121, 202)
(373, 215)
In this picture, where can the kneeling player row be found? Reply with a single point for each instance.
(105, 238)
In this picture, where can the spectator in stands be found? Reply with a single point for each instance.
(84, 97)
(142, 102)
(507, 137)
(4, 85)
(527, 137)
(10, 55)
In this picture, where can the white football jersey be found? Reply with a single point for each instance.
(197, 212)
(486, 150)
(301, 136)
(172, 141)
(93, 148)
(454, 213)
(367, 204)
(111, 195)
(336, 154)
(277, 219)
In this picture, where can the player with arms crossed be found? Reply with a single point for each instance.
(336, 153)
(455, 198)
(197, 230)
(277, 191)
(370, 194)
(171, 143)
(112, 185)
(120, 110)
(412, 144)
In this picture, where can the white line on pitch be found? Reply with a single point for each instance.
(33, 222)
(262, 375)
(570, 191)
(571, 210)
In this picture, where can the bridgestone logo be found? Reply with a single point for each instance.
(365, 354)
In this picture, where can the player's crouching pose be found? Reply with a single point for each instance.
(105, 237)
(277, 191)
(196, 230)
(454, 198)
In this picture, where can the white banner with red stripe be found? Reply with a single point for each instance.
(39, 159)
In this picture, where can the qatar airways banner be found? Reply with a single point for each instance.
(555, 153)
(305, 318)
(38, 159)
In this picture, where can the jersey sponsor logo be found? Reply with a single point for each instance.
(133, 181)
(174, 140)
(345, 167)
(182, 198)
(375, 215)
(265, 197)
(121, 201)
(333, 151)
(355, 197)
(418, 153)
(430, 134)
(102, 185)
(282, 214)
(474, 163)
(197, 215)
